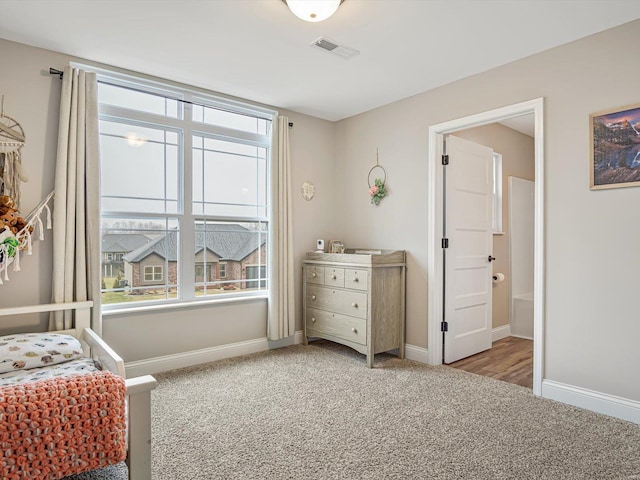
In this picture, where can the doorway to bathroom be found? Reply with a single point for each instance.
(508, 352)
(469, 327)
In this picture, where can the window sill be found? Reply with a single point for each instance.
(183, 305)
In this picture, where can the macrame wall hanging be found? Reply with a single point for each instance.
(16, 232)
(12, 140)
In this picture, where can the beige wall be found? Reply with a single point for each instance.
(591, 316)
(32, 97)
(517, 152)
(591, 313)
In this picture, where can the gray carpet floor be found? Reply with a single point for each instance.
(317, 412)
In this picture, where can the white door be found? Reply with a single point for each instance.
(468, 271)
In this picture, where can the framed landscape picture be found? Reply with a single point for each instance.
(615, 148)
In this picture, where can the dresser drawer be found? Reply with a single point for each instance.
(315, 274)
(346, 302)
(334, 276)
(358, 279)
(341, 326)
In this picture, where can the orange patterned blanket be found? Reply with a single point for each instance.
(53, 428)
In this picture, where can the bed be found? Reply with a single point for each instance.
(137, 414)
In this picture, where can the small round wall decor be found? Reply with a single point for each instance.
(308, 190)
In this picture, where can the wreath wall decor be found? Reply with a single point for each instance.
(377, 188)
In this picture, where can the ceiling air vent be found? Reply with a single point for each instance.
(333, 47)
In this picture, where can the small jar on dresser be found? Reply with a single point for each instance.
(356, 298)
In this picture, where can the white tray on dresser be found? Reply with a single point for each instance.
(356, 299)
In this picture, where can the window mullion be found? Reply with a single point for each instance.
(187, 271)
(111, 113)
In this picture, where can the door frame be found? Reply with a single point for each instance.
(435, 220)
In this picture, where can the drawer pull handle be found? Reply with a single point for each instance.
(354, 330)
(313, 297)
(354, 305)
(314, 274)
(333, 277)
(356, 279)
(313, 319)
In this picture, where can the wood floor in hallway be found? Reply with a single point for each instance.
(510, 360)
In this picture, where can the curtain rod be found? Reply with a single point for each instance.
(54, 71)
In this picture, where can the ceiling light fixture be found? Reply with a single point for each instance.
(313, 10)
(135, 140)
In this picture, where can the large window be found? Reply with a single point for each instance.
(184, 194)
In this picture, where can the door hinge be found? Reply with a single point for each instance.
(445, 243)
(445, 159)
(444, 327)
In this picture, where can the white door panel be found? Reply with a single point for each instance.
(468, 292)
(473, 243)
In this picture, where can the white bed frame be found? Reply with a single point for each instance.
(138, 389)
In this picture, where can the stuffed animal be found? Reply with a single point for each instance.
(10, 217)
(8, 243)
(7, 201)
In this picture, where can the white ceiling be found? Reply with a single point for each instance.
(523, 124)
(257, 50)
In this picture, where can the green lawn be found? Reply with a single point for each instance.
(122, 297)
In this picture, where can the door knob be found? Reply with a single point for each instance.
(491, 258)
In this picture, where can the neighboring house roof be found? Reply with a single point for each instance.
(122, 242)
(165, 246)
(229, 242)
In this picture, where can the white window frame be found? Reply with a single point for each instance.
(186, 127)
(497, 194)
(222, 266)
(156, 271)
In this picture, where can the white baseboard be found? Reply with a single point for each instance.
(499, 333)
(205, 355)
(295, 339)
(418, 354)
(522, 336)
(611, 405)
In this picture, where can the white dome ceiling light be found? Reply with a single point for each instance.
(313, 10)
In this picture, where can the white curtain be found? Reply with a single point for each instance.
(76, 211)
(281, 323)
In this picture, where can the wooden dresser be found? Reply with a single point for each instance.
(356, 299)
